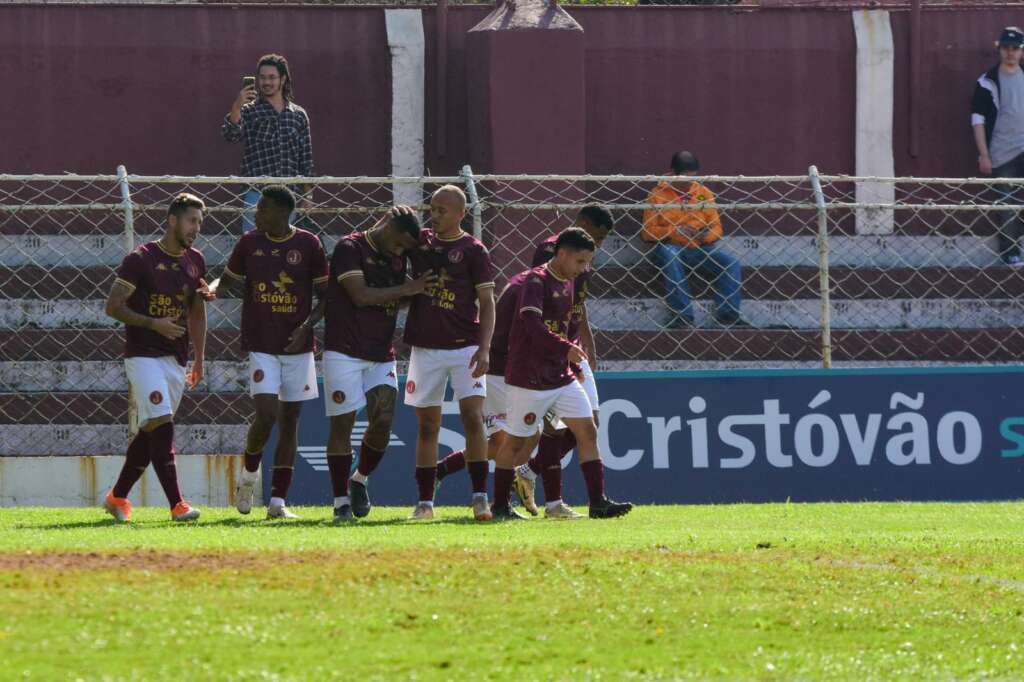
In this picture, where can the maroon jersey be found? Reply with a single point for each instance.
(445, 315)
(362, 332)
(538, 351)
(163, 285)
(504, 315)
(279, 277)
(545, 252)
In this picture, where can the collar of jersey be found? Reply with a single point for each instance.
(462, 233)
(163, 248)
(282, 239)
(547, 266)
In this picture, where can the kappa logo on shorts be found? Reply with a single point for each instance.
(478, 385)
(306, 388)
(338, 397)
(293, 257)
(410, 387)
(391, 375)
(455, 256)
(156, 397)
(530, 418)
(257, 376)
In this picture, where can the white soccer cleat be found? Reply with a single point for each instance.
(279, 511)
(243, 495)
(561, 511)
(481, 510)
(422, 512)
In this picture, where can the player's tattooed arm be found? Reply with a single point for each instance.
(481, 360)
(117, 308)
(354, 284)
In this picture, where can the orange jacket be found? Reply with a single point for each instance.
(677, 223)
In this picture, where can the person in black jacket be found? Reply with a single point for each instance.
(997, 116)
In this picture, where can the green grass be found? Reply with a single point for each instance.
(867, 591)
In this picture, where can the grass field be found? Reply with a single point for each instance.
(866, 591)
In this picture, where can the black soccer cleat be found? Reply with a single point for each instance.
(343, 514)
(608, 509)
(505, 513)
(360, 499)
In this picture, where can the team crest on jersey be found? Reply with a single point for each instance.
(410, 387)
(338, 397)
(455, 256)
(530, 418)
(156, 397)
(257, 376)
(293, 257)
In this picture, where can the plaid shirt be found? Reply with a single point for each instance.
(276, 144)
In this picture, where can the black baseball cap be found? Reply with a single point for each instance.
(1011, 35)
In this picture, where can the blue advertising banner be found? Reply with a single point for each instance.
(951, 433)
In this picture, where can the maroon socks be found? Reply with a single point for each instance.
(478, 475)
(452, 463)
(161, 454)
(280, 481)
(135, 463)
(369, 458)
(340, 467)
(503, 486)
(593, 474)
(425, 478)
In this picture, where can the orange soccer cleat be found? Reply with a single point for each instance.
(118, 507)
(183, 511)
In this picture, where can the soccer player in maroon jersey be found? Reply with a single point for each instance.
(541, 375)
(368, 282)
(597, 222)
(159, 294)
(555, 443)
(449, 327)
(278, 268)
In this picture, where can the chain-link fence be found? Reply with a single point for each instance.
(809, 271)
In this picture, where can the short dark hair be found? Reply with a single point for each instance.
(407, 223)
(684, 162)
(281, 64)
(280, 195)
(575, 238)
(182, 202)
(598, 216)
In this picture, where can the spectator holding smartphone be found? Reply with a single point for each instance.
(273, 129)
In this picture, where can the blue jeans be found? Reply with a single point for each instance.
(249, 201)
(720, 268)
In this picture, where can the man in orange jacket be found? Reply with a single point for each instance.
(688, 239)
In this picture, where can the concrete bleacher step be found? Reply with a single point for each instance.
(619, 314)
(639, 281)
(621, 250)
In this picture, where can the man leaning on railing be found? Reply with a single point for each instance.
(687, 240)
(274, 130)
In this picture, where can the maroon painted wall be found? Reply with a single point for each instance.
(752, 92)
(148, 86)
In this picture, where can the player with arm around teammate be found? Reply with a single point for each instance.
(368, 282)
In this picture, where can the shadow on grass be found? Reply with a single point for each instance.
(260, 523)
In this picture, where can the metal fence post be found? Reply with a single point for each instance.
(823, 278)
(128, 207)
(474, 202)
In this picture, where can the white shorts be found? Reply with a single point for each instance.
(429, 370)
(526, 408)
(496, 405)
(155, 386)
(590, 386)
(292, 378)
(347, 380)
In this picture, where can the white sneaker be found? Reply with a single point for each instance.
(243, 495)
(422, 512)
(561, 511)
(279, 511)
